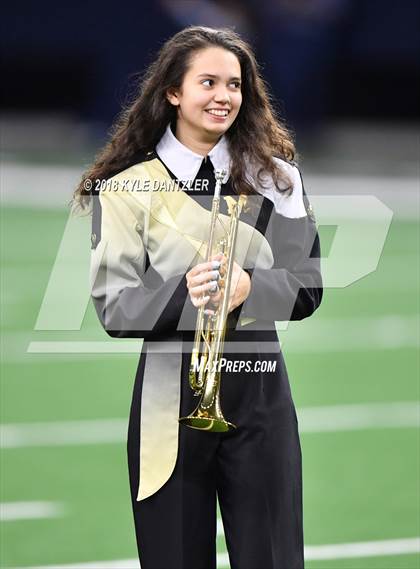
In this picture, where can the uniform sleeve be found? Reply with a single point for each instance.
(131, 299)
(292, 288)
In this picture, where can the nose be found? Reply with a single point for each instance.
(222, 95)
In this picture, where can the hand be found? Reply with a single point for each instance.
(240, 287)
(202, 278)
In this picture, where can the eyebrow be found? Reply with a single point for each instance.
(217, 76)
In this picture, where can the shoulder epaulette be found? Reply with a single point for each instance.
(308, 207)
(95, 236)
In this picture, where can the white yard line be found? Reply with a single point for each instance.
(312, 552)
(363, 549)
(326, 335)
(13, 511)
(115, 564)
(63, 433)
(333, 418)
(51, 186)
(358, 417)
(320, 335)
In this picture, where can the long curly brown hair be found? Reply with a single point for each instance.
(256, 136)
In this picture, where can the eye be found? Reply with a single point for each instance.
(237, 84)
(207, 80)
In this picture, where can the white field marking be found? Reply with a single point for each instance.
(63, 433)
(36, 186)
(115, 564)
(360, 416)
(316, 334)
(320, 335)
(332, 418)
(323, 335)
(12, 511)
(312, 552)
(85, 347)
(363, 549)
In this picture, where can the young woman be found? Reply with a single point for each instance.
(202, 107)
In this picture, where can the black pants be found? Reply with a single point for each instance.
(255, 471)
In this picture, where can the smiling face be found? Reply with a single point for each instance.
(210, 96)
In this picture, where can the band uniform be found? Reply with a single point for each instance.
(143, 244)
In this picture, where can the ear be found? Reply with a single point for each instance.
(172, 96)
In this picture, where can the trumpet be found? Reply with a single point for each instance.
(204, 371)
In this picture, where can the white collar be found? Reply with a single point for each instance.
(184, 163)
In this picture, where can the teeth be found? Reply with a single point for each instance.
(218, 113)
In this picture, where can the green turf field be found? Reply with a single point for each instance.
(360, 484)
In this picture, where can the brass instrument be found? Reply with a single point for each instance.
(204, 372)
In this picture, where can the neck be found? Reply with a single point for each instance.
(199, 145)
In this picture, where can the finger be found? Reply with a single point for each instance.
(218, 257)
(215, 300)
(213, 304)
(209, 312)
(213, 275)
(201, 267)
(214, 289)
(197, 302)
(201, 289)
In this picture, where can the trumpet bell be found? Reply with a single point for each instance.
(208, 416)
(199, 420)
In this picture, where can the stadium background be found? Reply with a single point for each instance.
(345, 74)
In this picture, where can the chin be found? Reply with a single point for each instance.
(216, 128)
